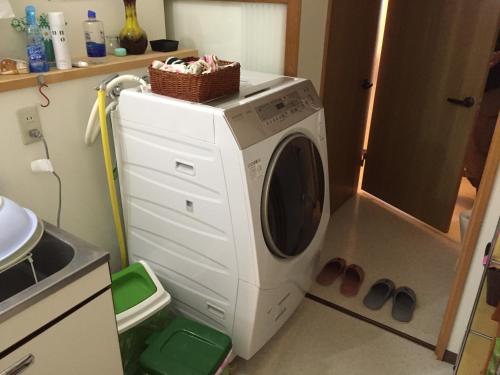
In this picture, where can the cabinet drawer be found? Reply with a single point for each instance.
(49, 308)
(85, 342)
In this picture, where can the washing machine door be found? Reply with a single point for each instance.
(293, 196)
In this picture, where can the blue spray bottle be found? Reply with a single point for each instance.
(34, 43)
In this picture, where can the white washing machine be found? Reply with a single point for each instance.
(228, 200)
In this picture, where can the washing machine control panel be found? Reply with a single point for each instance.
(285, 107)
(268, 115)
(280, 108)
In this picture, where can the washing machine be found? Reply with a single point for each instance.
(228, 200)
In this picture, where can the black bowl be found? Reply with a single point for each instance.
(164, 45)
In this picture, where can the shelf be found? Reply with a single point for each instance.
(496, 252)
(475, 355)
(482, 322)
(113, 64)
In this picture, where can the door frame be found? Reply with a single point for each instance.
(481, 203)
(471, 238)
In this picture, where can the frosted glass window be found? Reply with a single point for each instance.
(251, 33)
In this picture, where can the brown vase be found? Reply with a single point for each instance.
(132, 37)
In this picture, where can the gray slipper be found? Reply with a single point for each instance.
(379, 293)
(404, 303)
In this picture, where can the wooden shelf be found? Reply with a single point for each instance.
(475, 355)
(113, 64)
(482, 321)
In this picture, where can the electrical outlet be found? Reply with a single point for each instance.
(28, 121)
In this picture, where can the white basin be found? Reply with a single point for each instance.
(17, 227)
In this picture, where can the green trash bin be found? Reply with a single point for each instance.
(139, 302)
(185, 347)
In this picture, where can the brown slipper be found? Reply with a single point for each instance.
(331, 271)
(353, 278)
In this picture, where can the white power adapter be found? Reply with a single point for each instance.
(42, 166)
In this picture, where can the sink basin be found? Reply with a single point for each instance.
(59, 259)
(49, 256)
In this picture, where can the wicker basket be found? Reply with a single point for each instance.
(196, 88)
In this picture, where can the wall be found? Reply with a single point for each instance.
(253, 34)
(476, 270)
(86, 209)
(111, 12)
(312, 39)
(239, 31)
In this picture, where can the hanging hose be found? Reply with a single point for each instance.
(99, 109)
(101, 100)
(92, 130)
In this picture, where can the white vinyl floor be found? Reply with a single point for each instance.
(318, 340)
(388, 244)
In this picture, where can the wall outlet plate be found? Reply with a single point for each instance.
(29, 120)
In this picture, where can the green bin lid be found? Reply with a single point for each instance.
(185, 347)
(130, 287)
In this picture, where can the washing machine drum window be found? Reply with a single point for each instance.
(293, 196)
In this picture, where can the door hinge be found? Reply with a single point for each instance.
(363, 157)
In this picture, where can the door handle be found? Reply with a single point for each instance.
(19, 366)
(366, 84)
(468, 101)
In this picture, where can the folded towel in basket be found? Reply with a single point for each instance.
(204, 65)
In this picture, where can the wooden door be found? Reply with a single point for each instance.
(351, 36)
(432, 50)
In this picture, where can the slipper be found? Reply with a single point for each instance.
(331, 271)
(404, 303)
(379, 293)
(353, 278)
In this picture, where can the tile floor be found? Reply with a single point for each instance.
(318, 340)
(388, 244)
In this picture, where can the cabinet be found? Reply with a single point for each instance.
(80, 340)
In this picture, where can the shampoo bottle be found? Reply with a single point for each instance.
(94, 38)
(60, 40)
(35, 48)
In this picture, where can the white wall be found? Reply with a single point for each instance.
(476, 270)
(312, 39)
(253, 34)
(111, 12)
(86, 209)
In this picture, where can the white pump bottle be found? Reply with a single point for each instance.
(60, 40)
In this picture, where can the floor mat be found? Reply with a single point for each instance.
(390, 245)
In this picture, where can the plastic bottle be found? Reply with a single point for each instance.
(94, 38)
(35, 48)
(60, 40)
